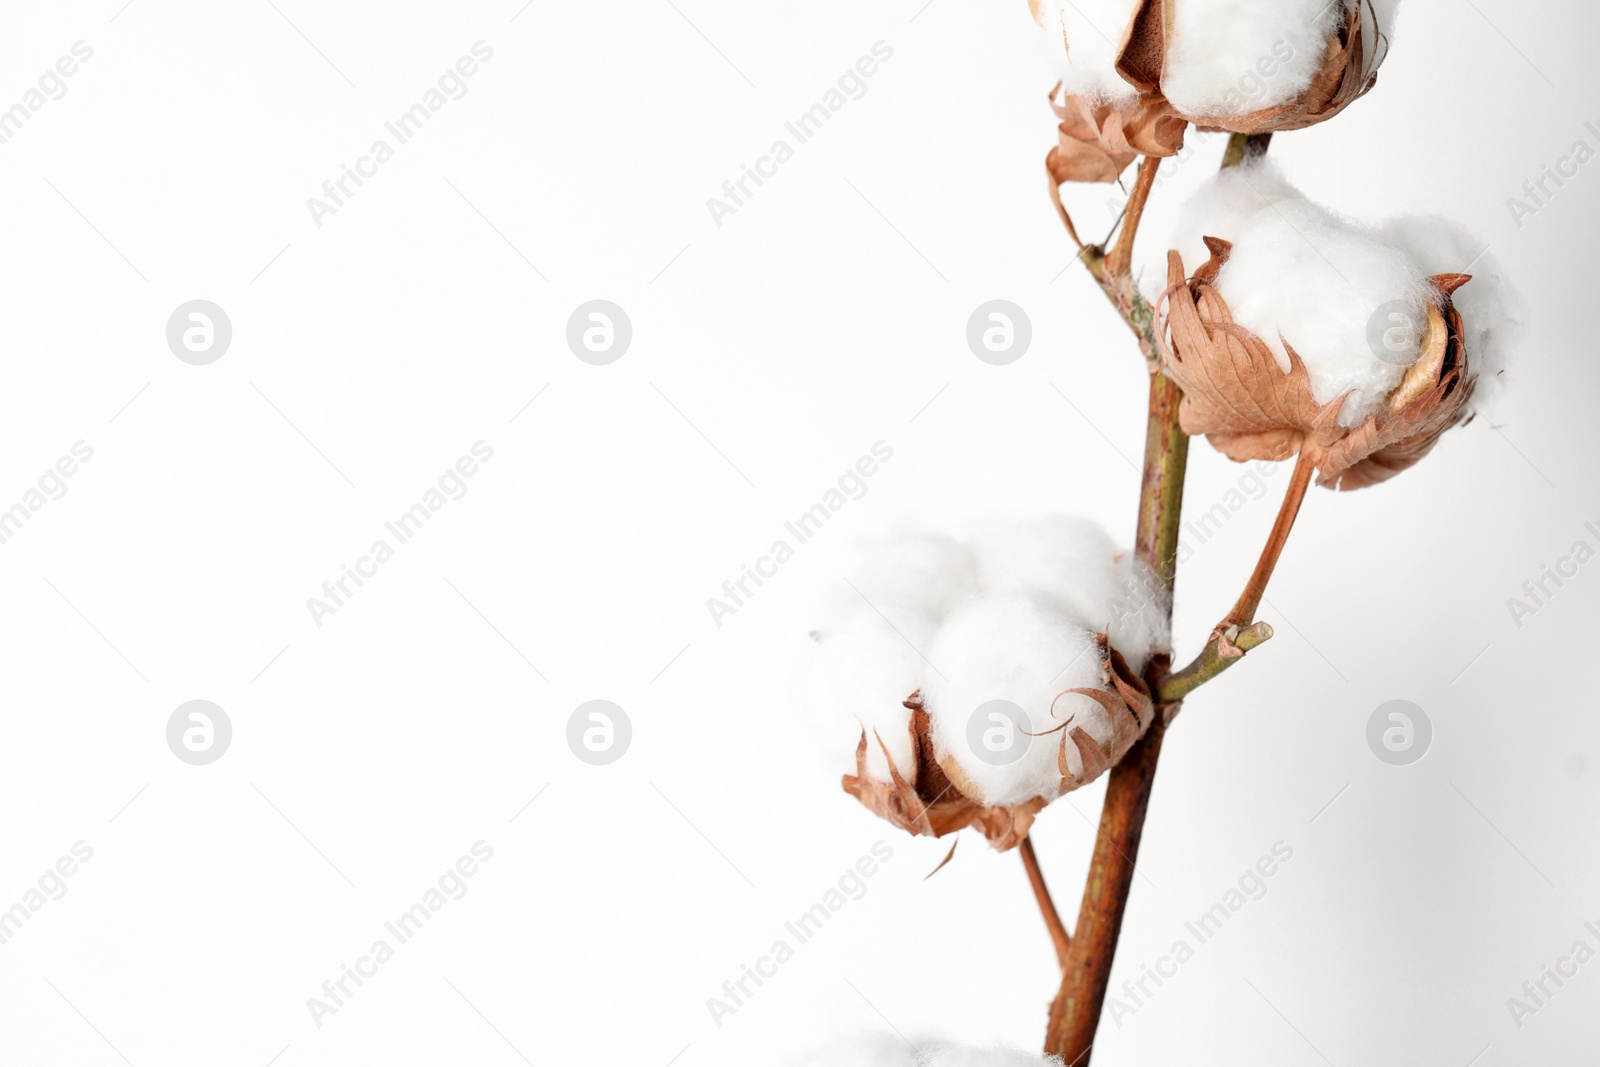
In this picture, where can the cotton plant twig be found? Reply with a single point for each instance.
(1041, 893)
(1244, 611)
(1235, 635)
(1211, 662)
(1121, 254)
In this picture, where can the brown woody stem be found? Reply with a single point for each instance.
(1244, 612)
(1052, 919)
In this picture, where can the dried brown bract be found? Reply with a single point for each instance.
(1097, 142)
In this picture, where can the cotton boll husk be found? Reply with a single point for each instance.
(1302, 274)
(1026, 649)
(861, 674)
(1217, 49)
(1081, 38)
(1492, 312)
(883, 1050)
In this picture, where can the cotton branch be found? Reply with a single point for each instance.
(1052, 919)
(1211, 662)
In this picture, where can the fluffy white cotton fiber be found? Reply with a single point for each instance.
(1024, 649)
(1492, 314)
(1301, 274)
(1081, 39)
(1013, 617)
(1074, 561)
(884, 1050)
(914, 578)
(863, 671)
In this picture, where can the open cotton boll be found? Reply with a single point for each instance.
(1492, 313)
(1302, 274)
(914, 578)
(1018, 647)
(1081, 39)
(862, 673)
(1075, 562)
(1232, 57)
(885, 1050)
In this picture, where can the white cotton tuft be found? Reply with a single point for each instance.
(913, 578)
(862, 672)
(892, 1050)
(1022, 648)
(1493, 316)
(1075, 562)
(1081, 39)
(1301, 274)
(1218, 208)
(1232, 57)
(869, 659)
(1138, 622)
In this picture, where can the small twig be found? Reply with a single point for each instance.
(1121, 255)
(1052, 920)
(1244, 612)
(1210, 663)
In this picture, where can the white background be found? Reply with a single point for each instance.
(828, 313)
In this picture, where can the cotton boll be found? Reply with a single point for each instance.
(861, 674)
(1017, 647)
(1232, 57)
(1492, 313)
(1301, 274)
(1081, 38)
